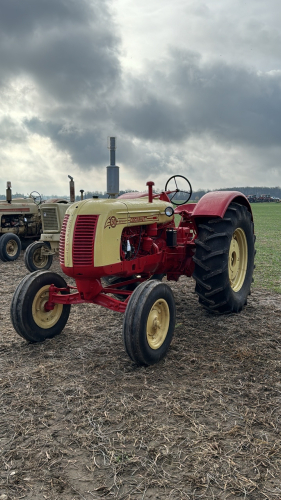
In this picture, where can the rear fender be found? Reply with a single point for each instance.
(215, 203)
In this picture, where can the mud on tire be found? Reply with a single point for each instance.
(224, 260)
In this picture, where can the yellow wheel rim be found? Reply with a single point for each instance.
(39, 260)
(11, 248)
(237, 259)
(45, 319)
(158, 324)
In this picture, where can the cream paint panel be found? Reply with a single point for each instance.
(114, 215)
(107, 241)
(138, 209)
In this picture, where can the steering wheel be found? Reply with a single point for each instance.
(178, 186)
(37, 198)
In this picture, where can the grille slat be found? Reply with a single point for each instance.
(83, 242)
(50, 220)
(62, 239)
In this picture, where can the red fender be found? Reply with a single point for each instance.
(215, 203)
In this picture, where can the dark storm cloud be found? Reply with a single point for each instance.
(190, 98)
(185, 98)
(67, 47)
(69, 50)
(86, 146)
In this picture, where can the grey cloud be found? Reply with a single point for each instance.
(11, 132)
(22, 18)
(69, 48)
(86, 146)
(191, 98)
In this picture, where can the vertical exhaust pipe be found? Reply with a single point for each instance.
(81, 192)
(9, 192)
(71, 189)
(112, 170)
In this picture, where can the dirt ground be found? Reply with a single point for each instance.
(80, 421)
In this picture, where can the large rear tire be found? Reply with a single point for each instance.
(224, 260)
(10, 247)
(34, 259)
(149, 322)
(29, 317)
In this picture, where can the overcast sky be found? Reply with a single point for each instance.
(187, 87)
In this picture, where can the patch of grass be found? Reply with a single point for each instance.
(267, 219)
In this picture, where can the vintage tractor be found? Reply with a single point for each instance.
(39, 255)
(131, 242)
(19, 222)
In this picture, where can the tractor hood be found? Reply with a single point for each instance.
(111, 216)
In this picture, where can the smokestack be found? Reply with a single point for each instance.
(9, 192)
(71, 189)
(82, 191)
(112, 169)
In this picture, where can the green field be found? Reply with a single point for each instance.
(267, 219)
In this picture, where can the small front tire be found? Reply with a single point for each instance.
(34, 259)
(149, 322)
(29, 317)
(10, 247)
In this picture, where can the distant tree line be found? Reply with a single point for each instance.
(196, 195)
(272, 191)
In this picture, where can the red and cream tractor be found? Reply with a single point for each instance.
(118, 250)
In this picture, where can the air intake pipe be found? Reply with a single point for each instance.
(71, 189)
(9, 192)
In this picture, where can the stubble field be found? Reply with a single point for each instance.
(78, 420)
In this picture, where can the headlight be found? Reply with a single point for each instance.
(169, 211)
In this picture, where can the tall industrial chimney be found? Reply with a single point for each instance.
(112, 170)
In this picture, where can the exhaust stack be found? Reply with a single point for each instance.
(71, 189)
(9, 192)
(112, 170)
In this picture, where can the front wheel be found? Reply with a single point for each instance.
(34, 259)
(28, 314)
(224, 260)
(10, 247)
(149, 322)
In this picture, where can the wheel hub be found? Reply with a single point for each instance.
(11, 248)
(237, 259)
(158, 324)
(39, 260)
(45, 318)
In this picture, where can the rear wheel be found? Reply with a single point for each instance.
(149, 322)
(28, 314)
(34, 259)
(10, 247)
(224, 260)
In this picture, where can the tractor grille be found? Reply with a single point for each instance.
(62, 239)
(83, 241)
(50, 220)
